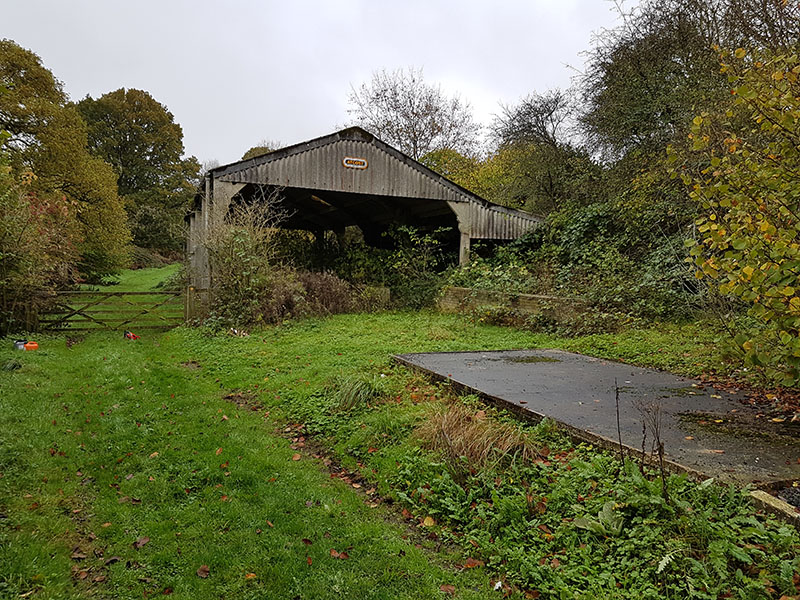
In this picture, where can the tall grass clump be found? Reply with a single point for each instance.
(354, 391)
(469, 440)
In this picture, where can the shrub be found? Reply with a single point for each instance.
(746, 187)
(37, 250)
(145, 258)
(416, 266)
(325, 294)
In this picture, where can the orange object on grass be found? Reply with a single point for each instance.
(31, 346)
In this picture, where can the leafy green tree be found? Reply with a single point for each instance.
(450, 163)
(48, 139)
(139, 138)
(647, 78)
(746, 187)
(263, 147)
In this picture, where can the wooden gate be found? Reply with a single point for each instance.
(115, 311)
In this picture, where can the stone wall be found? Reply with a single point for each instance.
(457, 299)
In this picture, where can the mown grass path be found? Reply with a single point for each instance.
(110, 442)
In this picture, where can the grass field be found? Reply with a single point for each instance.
(194, 465)
(139, 280)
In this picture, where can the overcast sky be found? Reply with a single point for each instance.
(237, 72)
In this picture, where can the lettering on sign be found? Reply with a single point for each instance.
(355, 163)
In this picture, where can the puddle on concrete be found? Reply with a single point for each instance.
(531, 359)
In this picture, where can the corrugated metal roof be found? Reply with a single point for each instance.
(317, 164)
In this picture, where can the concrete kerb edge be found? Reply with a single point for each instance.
(762, 499)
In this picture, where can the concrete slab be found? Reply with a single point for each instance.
(712, 432)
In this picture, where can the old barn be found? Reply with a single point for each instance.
(349, 178)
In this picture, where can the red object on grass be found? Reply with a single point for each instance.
(129, 335)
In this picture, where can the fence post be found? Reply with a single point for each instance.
(189, 304)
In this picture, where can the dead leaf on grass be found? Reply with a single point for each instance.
(219, 451)
(203, 571)
(471, 563)
(78, 554)
(140, 542)
(296, 457)
(428, 522)
(448, 589)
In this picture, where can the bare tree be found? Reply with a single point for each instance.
(208, 165)
(418, 118)
(537, 119)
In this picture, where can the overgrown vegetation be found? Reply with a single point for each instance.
(716, 82)
(746, 185)
(551, 519)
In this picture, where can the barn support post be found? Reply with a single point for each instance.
(464, 217)
(214, 205)
(463, 249)
(196, 251)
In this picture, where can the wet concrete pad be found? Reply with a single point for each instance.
(709, 431)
